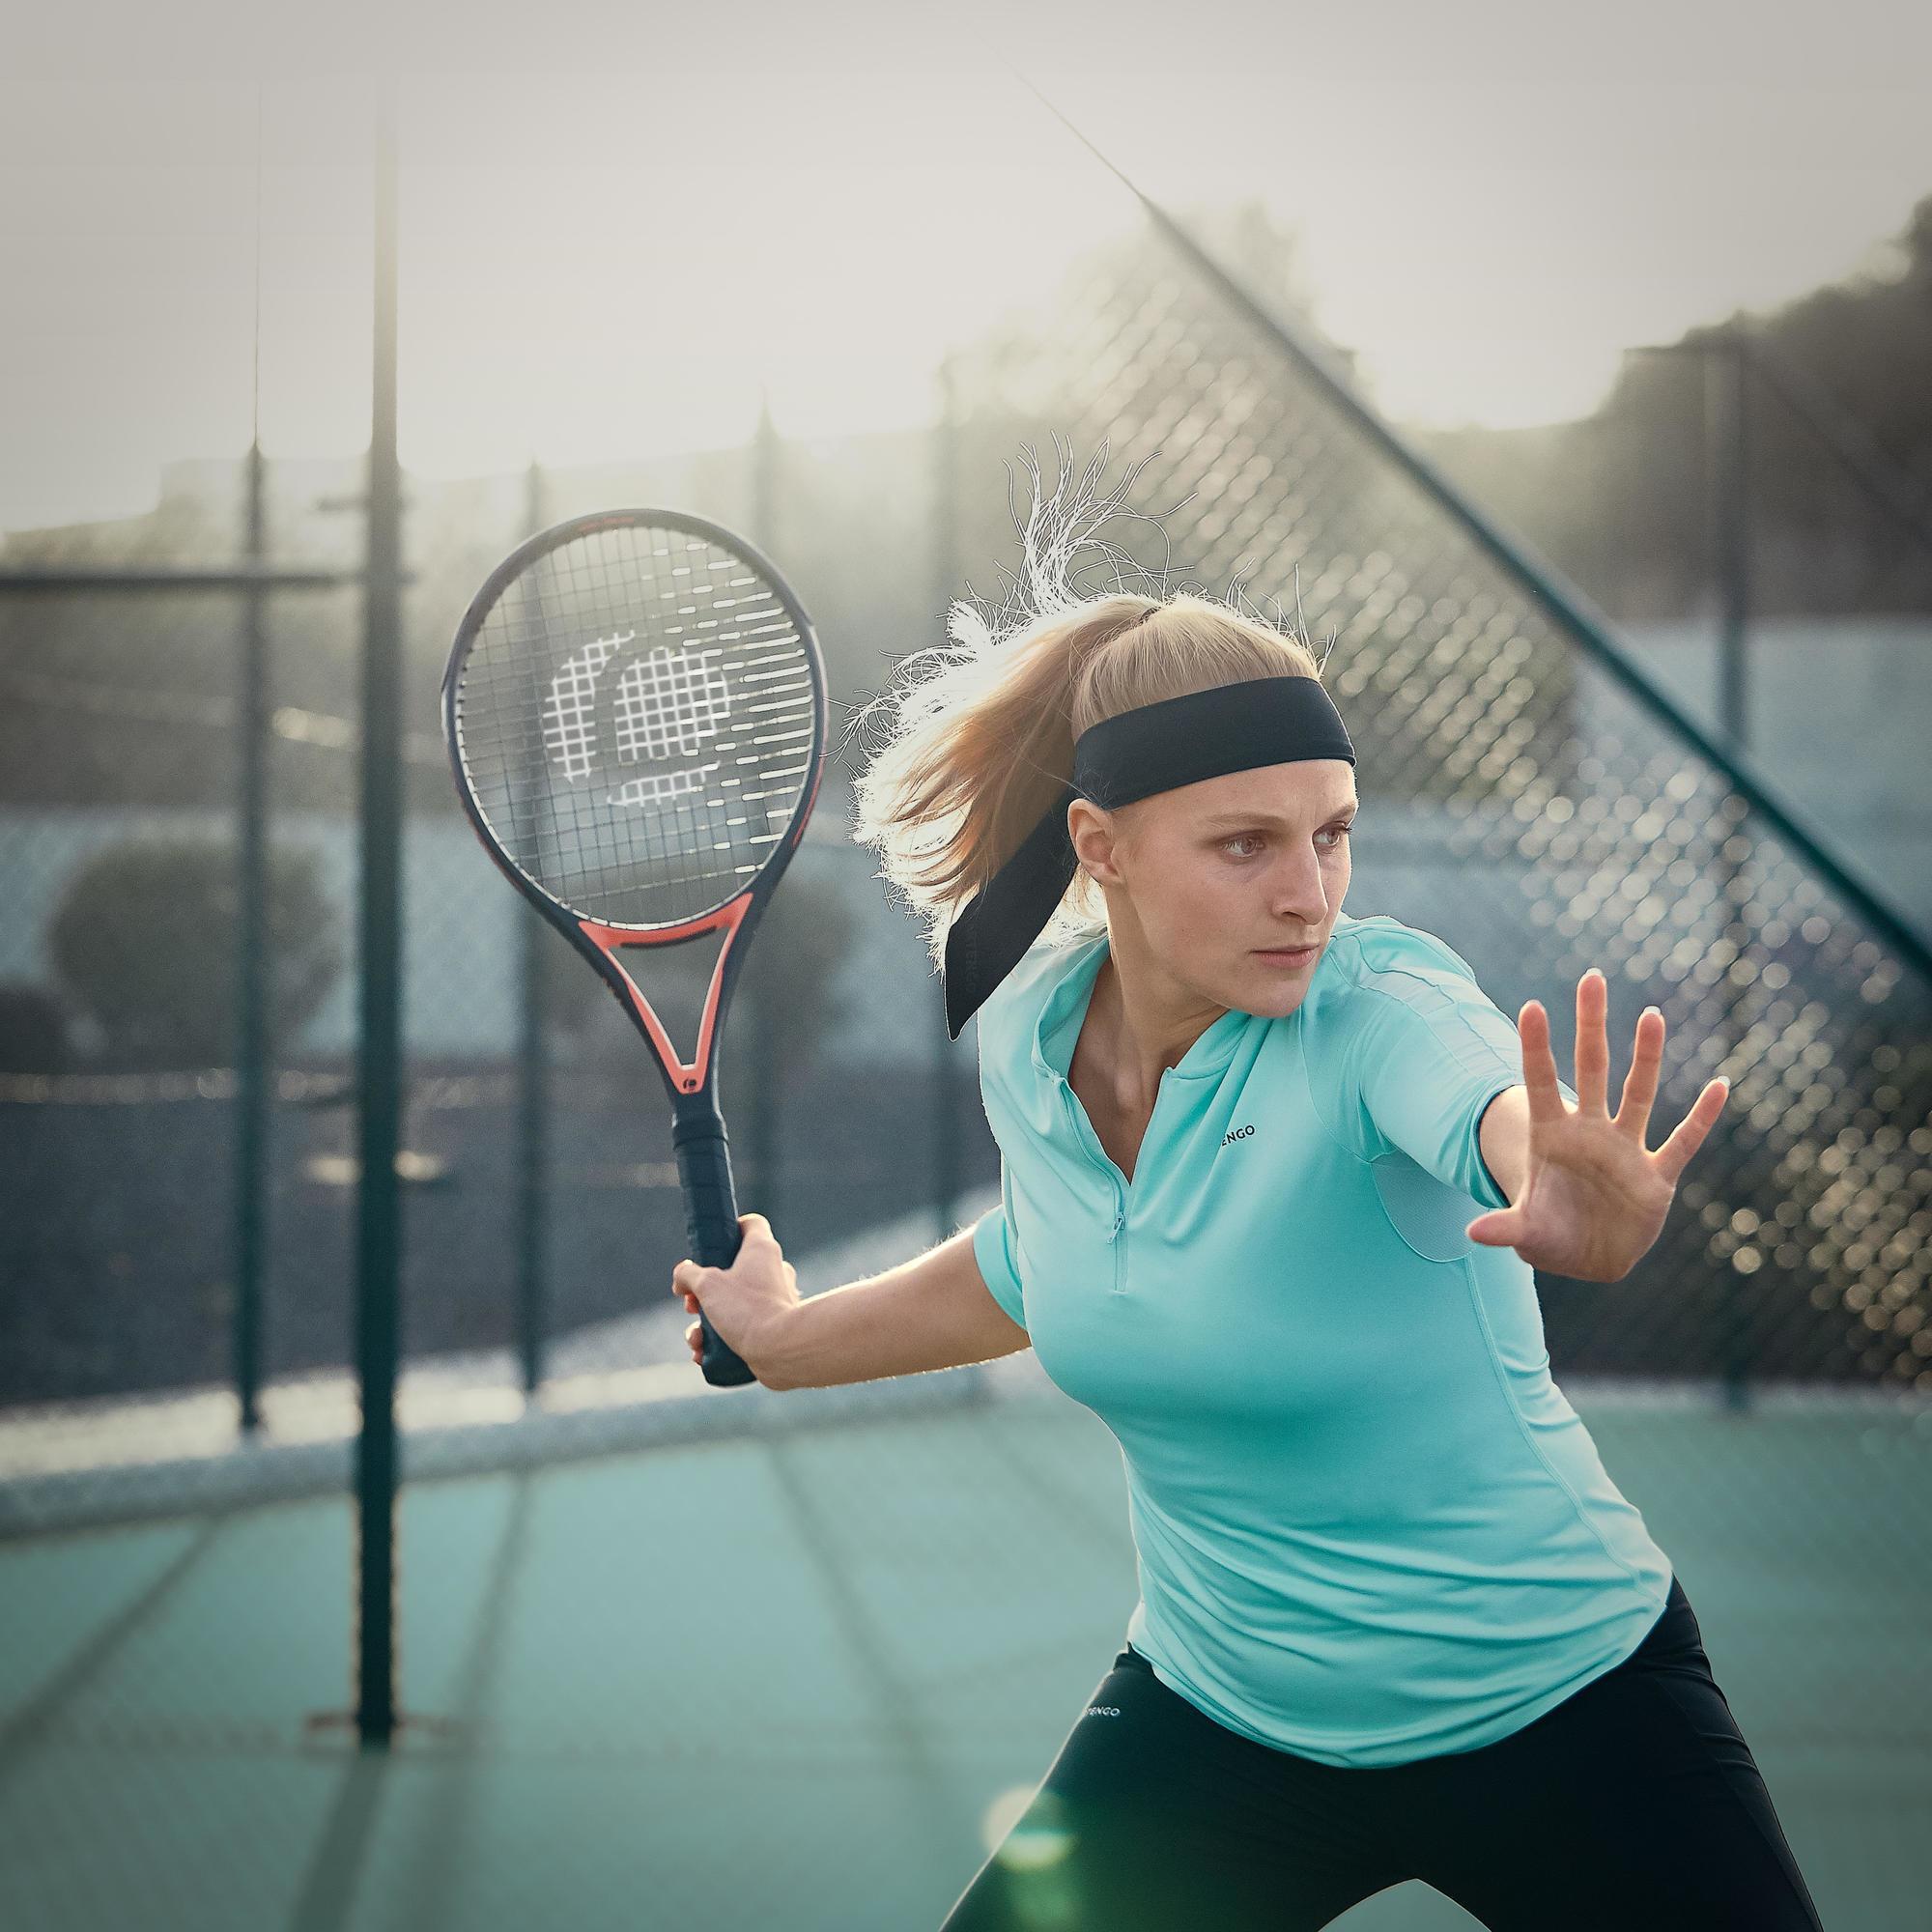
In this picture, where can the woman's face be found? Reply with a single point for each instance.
(1210, 877)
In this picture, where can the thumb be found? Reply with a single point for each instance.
(1497, 1229)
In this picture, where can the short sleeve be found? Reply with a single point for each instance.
(992, 1251)
(1429, 1051)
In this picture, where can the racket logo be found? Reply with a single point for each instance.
(669, 703)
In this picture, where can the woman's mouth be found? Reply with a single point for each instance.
(1289, 957)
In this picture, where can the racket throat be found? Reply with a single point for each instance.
(690, 1076)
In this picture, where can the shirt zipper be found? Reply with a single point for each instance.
(1117, 1235)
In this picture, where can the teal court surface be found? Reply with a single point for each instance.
(801, 1682)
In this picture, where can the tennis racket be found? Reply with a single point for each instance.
(635, 709)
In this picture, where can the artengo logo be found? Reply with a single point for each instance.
(1103, 1711)
(1235, 1134)
(668, 705)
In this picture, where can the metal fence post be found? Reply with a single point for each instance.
(946, 1150)
(1726, 429)
(379, 1029)
(253, 964)
(532, 1092)
(763, 1138)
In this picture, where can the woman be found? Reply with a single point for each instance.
(1396, 1621)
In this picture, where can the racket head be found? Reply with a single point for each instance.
(635, 711)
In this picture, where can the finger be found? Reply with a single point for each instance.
(1640, 1082)
(1593, 1042)
(755, 1225)
(1674, 1155)
(1539, 1065)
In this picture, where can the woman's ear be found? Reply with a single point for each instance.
(1094, 834)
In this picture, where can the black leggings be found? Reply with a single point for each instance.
(1634, 1802)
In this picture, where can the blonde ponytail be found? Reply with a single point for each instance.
(977, 751)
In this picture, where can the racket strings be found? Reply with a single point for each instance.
(636, 715)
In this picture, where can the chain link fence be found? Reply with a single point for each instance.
(543, 1210)
(1535, 799)
(1532, 794)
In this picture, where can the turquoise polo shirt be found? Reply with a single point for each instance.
(1369, 1527)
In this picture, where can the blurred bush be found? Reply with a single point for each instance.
(802, 941)
(145, 941)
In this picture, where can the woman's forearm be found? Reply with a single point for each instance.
(933, 1312)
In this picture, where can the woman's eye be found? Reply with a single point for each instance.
(1335, 834)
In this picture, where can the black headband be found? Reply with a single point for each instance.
(1179, 741)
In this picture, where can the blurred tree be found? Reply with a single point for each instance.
(1631, 517)
(144, 943)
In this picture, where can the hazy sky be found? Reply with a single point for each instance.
(612, 239)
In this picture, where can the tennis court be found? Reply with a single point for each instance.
(356, 1155)
(802, 1678)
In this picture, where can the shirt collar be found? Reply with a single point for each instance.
(1056, 1026)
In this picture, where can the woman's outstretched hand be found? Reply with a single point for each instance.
(1594, 1197)
(743, 1302)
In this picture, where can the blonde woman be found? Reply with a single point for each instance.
(1395, 1620)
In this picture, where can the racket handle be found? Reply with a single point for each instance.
(711, 1217)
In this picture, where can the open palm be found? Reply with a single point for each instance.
(1594, 1197)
